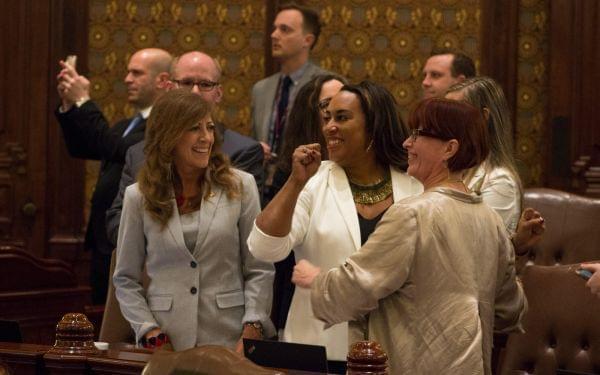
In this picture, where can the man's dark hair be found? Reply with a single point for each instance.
(461, 63)
(310, 19)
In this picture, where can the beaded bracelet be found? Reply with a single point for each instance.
(154, 341)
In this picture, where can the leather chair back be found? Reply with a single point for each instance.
(572, 227)
(114, 327)
(562, 325)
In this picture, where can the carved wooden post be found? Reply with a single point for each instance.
(74, 335)
(366, 358)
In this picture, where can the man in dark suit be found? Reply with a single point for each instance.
(88, 136)
(200, 73)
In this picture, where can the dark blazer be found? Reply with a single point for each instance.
(244, 152)
(88, 136)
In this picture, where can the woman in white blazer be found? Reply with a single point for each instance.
(497, 179)
(325, 211)
(186, 222)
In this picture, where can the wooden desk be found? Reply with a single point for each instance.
(33, 359)
(26, 359)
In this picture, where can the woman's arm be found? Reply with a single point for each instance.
(510, 303)
(594, 282)
(276, 218)
(131, 258)
(374, 272)
(501, 192)
(273, 235)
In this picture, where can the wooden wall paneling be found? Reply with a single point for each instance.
(562, 61)
(28, 284)
(586, 113)
(40, 185)
(499, 43)
(23, 137)
(574, 72)
(65, 193)
(271, 66)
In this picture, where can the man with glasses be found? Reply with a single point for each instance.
(200, 73)
(88, 136)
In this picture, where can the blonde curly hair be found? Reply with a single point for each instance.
(172, 115)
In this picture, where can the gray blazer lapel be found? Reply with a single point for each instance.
(266, 100)
(207, 214)
(174, 226)
(343, 198)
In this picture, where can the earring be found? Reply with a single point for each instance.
(369, 146)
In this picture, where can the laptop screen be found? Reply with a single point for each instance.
(9, 331)
(286, 355)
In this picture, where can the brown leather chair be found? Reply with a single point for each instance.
(562, 324)
(114, 326)
(572, 227)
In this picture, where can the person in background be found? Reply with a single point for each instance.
(88, 135)
(200, 74)
(326, 210)
(497, 179)
(437, 275)
(444, 68)
(594, 282)
(296, 30)
(186, 222)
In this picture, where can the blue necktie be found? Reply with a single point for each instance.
(134, 122)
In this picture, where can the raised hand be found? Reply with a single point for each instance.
(71, 86)
(305, 162)
(529, 232)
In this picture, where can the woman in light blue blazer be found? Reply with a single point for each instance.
(186, 222)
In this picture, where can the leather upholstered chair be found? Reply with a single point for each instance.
(572, 227)
(562, 325)
(114, 327)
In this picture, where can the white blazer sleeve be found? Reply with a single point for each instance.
(274, 249)
(501, 193)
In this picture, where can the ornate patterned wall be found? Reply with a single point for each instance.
(387, 41)
(532, 83)
(231, 31)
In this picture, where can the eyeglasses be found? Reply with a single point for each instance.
(417, 132)
(189, 84)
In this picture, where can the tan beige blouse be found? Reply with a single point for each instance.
(437, 277)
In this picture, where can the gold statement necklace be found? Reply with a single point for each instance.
(374, 193)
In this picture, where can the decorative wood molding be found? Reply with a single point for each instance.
(13, 158)
(499, 43)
